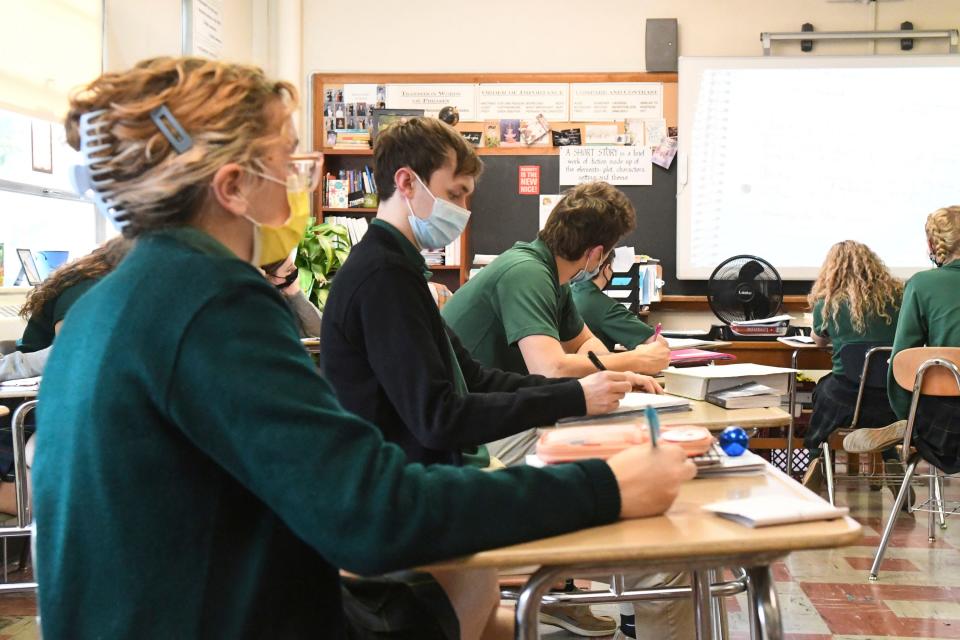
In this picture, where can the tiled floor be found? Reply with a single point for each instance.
(823, 594)
(826, 594)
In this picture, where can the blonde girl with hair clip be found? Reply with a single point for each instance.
(855, 299)
(930, 317)
(183, 426)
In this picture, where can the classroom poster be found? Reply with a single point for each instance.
(618, 165)
(513, 100)
(366, 93)
(547, 203)
(604, 101)
(433, 97)
(206, 28)
(529, 180)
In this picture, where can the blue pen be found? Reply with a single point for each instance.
(653, 421)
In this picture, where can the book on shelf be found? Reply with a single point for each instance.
(356, 227)
(745, 396)
(350, 188)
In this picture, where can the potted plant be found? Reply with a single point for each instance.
(321, 252)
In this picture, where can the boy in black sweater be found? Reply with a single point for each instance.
(388, 353)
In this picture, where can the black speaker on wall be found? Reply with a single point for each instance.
(662, 45)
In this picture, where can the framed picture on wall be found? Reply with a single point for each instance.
(383, 118)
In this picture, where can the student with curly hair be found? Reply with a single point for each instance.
(855, 299)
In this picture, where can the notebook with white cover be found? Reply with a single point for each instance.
(765, 511)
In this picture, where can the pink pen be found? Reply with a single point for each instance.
(656, 331)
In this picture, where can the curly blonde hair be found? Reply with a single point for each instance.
(943, 234)
(854, 275)
(222, 106)
(96, 264)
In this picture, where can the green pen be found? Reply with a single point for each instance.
(653, 421)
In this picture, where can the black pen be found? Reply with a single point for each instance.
(596, 361)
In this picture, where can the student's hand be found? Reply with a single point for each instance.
(646, 384)
(604, 390)
(441, 294)
(649, 478)
(652, 357)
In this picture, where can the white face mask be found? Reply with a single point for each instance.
(444, 224)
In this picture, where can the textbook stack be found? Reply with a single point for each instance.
(451, 255)
(433, 257)
(356, 227)
(773, 327)
(352, 139)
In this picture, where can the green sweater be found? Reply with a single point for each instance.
(841, 330)
(930, 316)
(195, 477)
(610, 321)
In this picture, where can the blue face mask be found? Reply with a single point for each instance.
(444, 224)
(585, 276)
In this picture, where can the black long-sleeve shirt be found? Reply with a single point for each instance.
(386, 355)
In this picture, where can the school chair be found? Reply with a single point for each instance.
(24, 525)
(928, 371)
(863, 366)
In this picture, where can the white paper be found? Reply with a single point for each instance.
(615, 101)
(433, 97)
(688, 343)
(603, 134)
(638, 400)
(206, 28)
(511, 101)
(360, 93)
(623, 259)
(547, 203)
(21, 382)
(762, 511)
(613, 164)
(618, 293)
(773, 320)
(656, 131)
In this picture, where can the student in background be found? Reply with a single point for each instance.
(388, 354)
(179, 393)
(855, 299)
(608, 320)
(517, 314)
(285, 276)
(930, 316)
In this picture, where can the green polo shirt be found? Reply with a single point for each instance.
(610, 321)
(841, 331)
(930, 317)
(195, 477)
(41, 327)
(515, 296)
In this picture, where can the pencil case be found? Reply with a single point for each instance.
(602, 441)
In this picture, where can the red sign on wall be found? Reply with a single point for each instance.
(529, 180)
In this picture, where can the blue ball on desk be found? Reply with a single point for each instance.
(734, 441)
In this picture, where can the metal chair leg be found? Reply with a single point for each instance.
(941, 507)
(765, 620)
(932, 501)
(888, 529)
(828, 472)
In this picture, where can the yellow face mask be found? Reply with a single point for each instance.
(273, 244)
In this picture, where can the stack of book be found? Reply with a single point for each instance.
(775, 326)
(433, 257)
(350, 188)
(697, 382)
(352, 139)
(451, 256)
(745, 396)
(356, 227)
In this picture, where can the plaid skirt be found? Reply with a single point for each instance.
(834, 399)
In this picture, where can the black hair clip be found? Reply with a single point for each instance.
(172, 130)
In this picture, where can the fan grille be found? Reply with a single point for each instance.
(744, 288)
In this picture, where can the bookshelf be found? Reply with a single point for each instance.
(336, 159)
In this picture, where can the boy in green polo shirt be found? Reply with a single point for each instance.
(610, 321)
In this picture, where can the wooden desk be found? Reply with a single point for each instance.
(776, 354)
(686, 538)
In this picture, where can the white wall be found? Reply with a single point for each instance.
(139, 29)
(601, 35)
